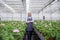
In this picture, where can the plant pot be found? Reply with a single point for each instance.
(42, 33)
(51, 38)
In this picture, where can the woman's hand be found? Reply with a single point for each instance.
(29, 21)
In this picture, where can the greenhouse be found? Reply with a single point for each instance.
(29, 19)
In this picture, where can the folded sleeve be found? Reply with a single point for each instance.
(28, 21)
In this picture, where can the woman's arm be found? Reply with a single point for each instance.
(29, 19)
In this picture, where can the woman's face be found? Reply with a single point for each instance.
(29, 14)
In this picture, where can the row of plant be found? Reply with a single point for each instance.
(12, 30)
(49, 29)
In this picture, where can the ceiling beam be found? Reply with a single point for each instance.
(46, 6)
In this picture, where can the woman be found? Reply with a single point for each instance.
(29, 22)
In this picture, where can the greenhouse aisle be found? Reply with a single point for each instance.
(35, 36)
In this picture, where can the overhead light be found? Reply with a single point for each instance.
(27, 5)
(56, 0)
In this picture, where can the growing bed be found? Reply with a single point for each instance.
(12, 30)
(49, 29)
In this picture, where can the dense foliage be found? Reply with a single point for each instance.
(49, 29)
(12, 30)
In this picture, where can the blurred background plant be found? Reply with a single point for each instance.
(7, 28)
(49, 29)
